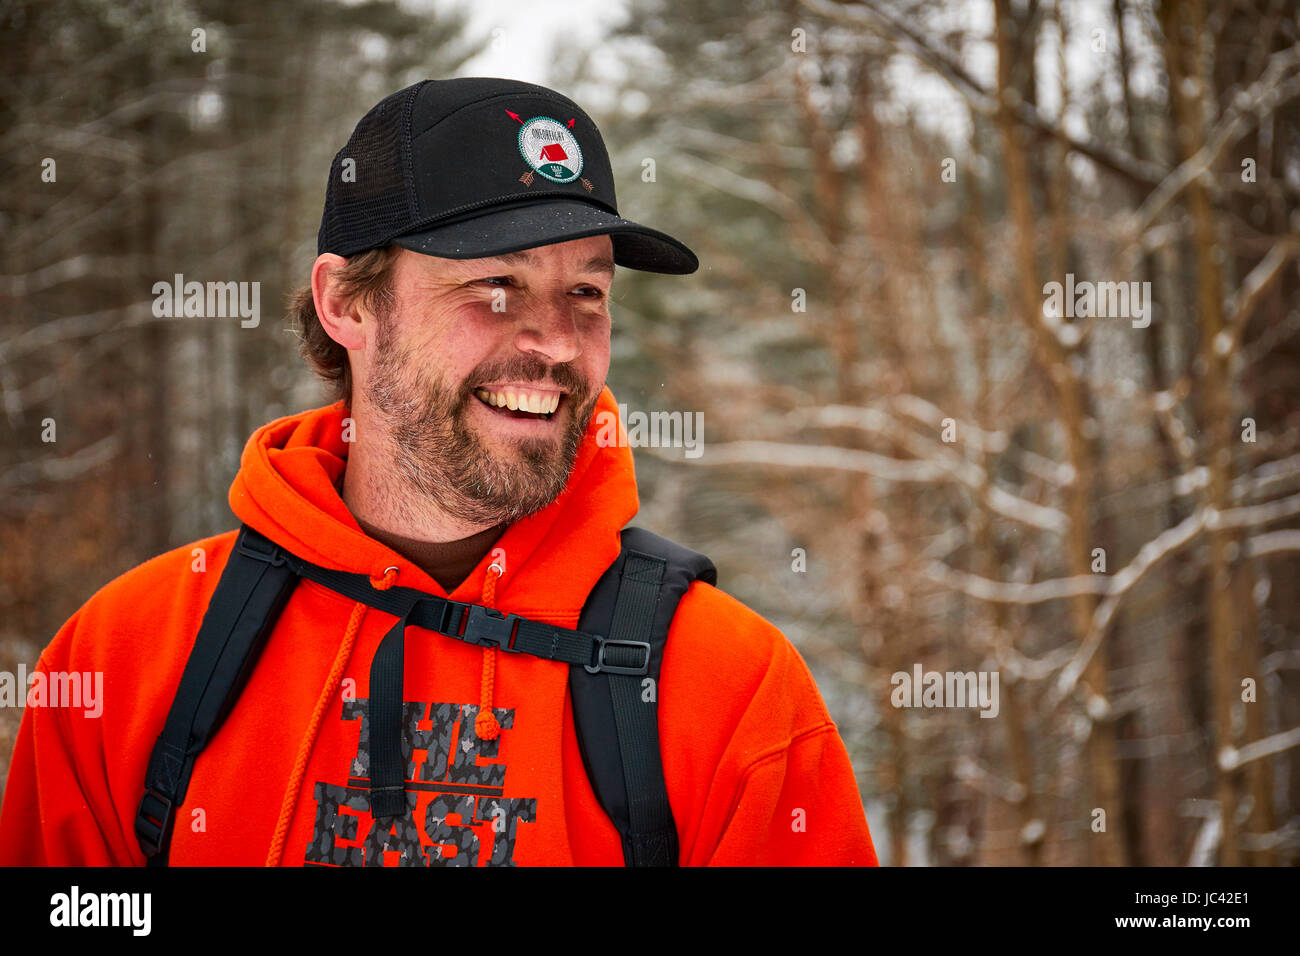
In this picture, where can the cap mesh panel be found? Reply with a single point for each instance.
(368, 212)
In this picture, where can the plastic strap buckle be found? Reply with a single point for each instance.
(602, 666)
(489, 628)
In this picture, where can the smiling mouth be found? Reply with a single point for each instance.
(524, 405)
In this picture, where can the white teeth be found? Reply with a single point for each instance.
(524, 401)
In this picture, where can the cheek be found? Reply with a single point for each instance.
(465, 338)
(595, 346)
(456, 345)
(596, 355)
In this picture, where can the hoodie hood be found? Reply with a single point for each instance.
(287, 489)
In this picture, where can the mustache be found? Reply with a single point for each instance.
(532, 370)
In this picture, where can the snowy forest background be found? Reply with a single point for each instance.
(909, 459)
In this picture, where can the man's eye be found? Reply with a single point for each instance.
(498, 282)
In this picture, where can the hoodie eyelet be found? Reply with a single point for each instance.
(385, 581)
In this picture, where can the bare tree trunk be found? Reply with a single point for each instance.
(843, 331)
(1032, 827)
(1184, 27)
(1160, 847)
(1109, 845)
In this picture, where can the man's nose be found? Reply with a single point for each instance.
(549, 327)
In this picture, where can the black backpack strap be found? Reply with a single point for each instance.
(634, 603)
(254, 587)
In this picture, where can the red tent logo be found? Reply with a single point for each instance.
(554, 153)
(549, 148)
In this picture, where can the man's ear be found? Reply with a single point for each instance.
(343, 317)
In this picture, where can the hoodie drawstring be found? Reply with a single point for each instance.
(485, 724)
(290, 801)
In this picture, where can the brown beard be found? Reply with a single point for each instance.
(439, 455)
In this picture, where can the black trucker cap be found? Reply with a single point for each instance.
(473, 167)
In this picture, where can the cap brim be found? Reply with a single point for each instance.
(498, 231)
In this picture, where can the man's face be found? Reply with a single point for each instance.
(466, 339)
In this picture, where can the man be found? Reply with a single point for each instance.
(459, 308)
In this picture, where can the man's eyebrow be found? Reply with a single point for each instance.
(595, 264)
(599, 264)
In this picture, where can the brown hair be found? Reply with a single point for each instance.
(368, 275)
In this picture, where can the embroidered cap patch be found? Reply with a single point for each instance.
(551, 149)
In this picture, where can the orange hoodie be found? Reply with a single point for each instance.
(756, 771)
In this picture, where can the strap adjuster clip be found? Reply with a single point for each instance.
(153, 822)
(602, 666)
(274, 557)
